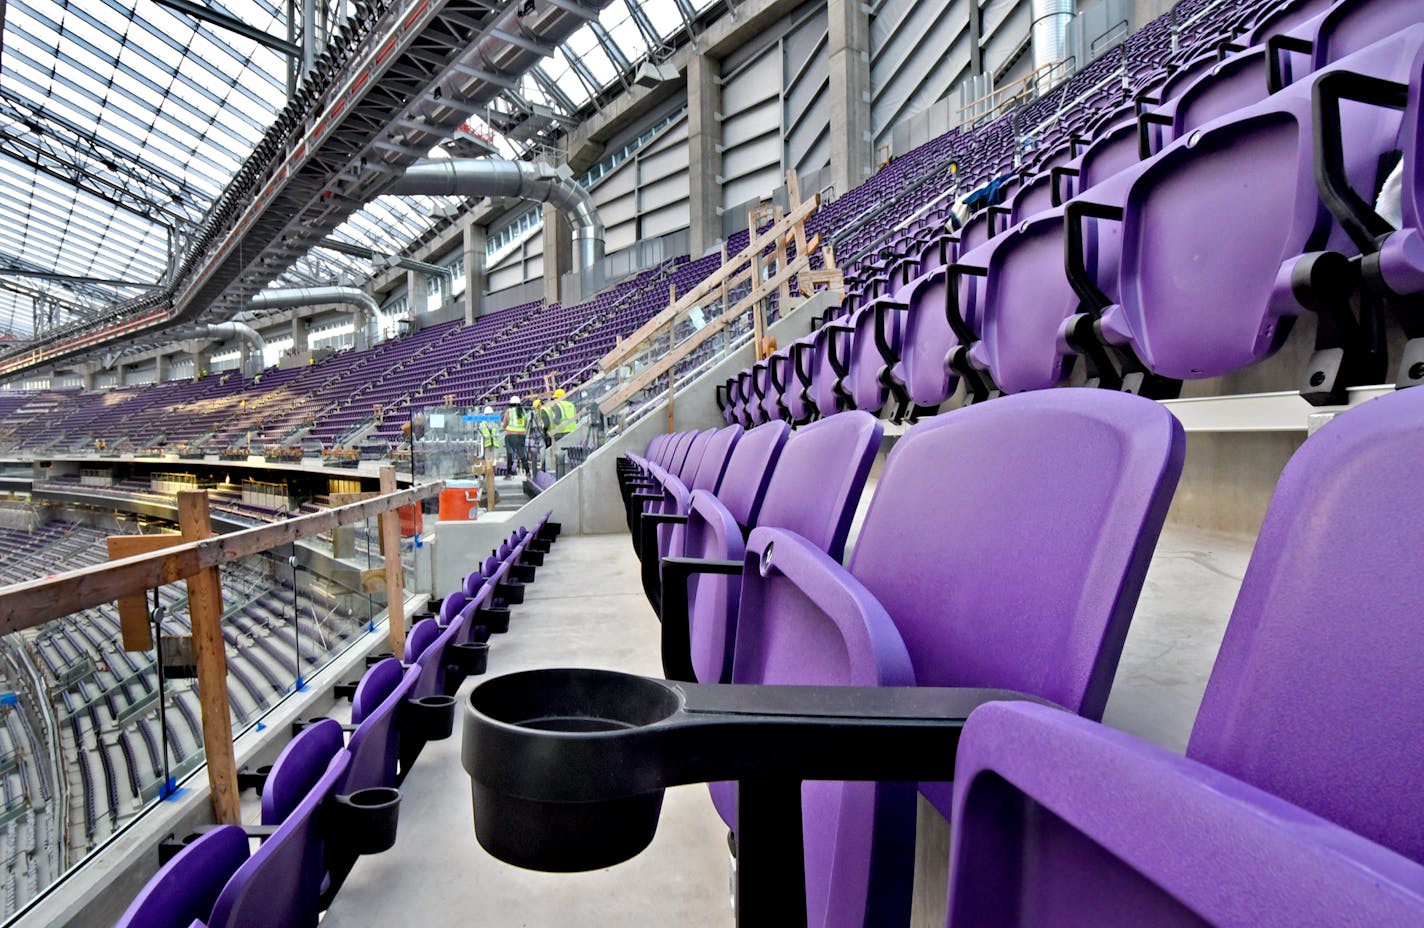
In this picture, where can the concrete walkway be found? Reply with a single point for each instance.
(587, 609)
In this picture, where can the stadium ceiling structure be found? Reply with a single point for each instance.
(123, 122)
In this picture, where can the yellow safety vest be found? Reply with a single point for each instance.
(514, 423)
(489, 432)
(565, 418)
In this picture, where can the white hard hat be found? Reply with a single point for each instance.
(513, 400)
(489, 410)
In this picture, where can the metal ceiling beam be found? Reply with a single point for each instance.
(74, 278)
(551, 89)
(361, 251)
(222, 20)
(615, 54)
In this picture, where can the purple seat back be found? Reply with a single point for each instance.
(1253, 172)
(715, 457)
(927, 342)
(813, 491)
(1233, 84)
(693, 456)
(433, 665)
(1312, 695)
(869, 370)
(798, 379)
(819, 477)
(375, 744)
(280, 884)
(749, 470)
(1042, 611)
(1352, 26)
(184, 889)
(421, 635)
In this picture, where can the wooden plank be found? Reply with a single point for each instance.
(135, 625)
(346, 499)
(395, 572)
(734, 270)
(34, 602)
(669, 361)
(205, 609)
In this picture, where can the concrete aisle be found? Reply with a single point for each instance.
(585, 609)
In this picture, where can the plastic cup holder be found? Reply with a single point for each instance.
(364, 822)
(570, 827)
(431, 718)
(524, 573)
(512, 593)
(470, 657)
(494, 618)
(253, 777)
(479, 633)
(533, 557)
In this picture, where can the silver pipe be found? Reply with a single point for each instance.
(235, 330)
(1050, 19)
(365, 304)
(486, 177)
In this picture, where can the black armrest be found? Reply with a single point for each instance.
(647, 540)
(1356, 215)
(677, 636)
(1055, 177)
(882, 340)
(1275, 61)
(1144, 137)
(586, 793)
(838, 364)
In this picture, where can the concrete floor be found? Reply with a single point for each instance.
(586, 609)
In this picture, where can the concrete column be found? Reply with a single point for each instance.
(416, 294)
(558, 251)
(121, 375)
(88, 378)
(848, 54)
(300, 327)
(160, 368)
(244, 357)
(474, 249)
(201, 359)
(704, 162)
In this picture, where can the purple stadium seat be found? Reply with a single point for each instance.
(829, 366)
(813, 489)
(1043, 612)
(183, 891)
(1296, 802)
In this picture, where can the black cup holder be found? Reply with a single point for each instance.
(511, 592)
(494, 618)
(430, 718)
(345, 690)
(364, 822)
(532, 557)
(253, 778)
(568, 767)
(471, 658)
(523, 573)
(480, 633)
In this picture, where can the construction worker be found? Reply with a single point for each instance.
(515, 423)
(489, 435)
(565, 418)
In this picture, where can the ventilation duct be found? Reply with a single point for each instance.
(364, 303)
(485, 177)
(227, 330)
(1050, 20)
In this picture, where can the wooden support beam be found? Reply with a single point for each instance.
(395, 572)
(731, 272)
(135, 628)
(669, 361)
(205, 609)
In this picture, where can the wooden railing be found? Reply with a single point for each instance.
(193, 556)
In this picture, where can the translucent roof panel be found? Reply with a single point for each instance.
(148, 105)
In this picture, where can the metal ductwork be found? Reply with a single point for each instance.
(1050, 20)
(365, 304)
(226, 330)
(484, 177)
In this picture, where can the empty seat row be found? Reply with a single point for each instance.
(333, 793)
(1182, 243)
(978, 565)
